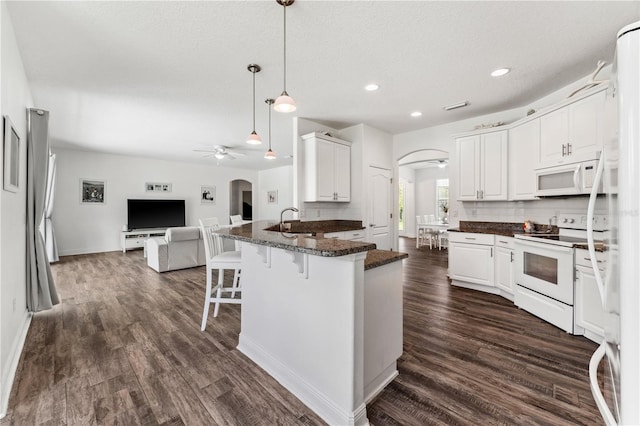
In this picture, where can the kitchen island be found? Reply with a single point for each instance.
(322, 316)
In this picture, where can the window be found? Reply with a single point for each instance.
(442, 199)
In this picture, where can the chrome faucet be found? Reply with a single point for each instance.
(293, 209)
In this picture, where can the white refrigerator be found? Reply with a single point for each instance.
(617, 392)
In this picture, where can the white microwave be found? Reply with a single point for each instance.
(567, 179)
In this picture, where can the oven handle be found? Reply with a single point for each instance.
(546, 247)
(590, 243)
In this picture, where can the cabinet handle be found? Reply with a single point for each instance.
(589, 260)
(469, 238)
(511, 257)
(477, 194)
(563, 150)
(491, 251)
(568, 148)
(503, 242)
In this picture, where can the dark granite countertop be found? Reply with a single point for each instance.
(377, 258)
(506, 229)
(255, 232)
(324, 226)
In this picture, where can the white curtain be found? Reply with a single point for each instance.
(41, 289)
(47, 224)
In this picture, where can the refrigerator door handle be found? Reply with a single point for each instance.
(590, 210)
(595, 389)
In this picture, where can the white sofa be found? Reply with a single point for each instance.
(180, 248)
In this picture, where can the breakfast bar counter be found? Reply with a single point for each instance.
(322, 316)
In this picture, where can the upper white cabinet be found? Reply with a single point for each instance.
(482, 166)
(327, 162)
(524, 143)
(570, 131)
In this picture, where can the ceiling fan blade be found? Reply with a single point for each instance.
(236, 153)
(205, 150)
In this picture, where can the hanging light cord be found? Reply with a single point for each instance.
(254, 100)
(285, 46)
(269, 126)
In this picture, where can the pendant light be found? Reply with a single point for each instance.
(285, 103)
(254, 138)
(270, 155)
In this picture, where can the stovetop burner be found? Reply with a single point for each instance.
(558, 237)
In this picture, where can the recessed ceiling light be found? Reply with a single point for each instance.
(500, 72)
(416, 114)
(371, 87)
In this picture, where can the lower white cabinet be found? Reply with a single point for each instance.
(589, 313)
(504, 263)
(471, 258)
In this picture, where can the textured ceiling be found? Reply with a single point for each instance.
(160, 79)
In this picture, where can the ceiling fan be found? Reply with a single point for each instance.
(221, 152)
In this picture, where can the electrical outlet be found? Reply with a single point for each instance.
(318, 214)
(474, 212)
(454, 213)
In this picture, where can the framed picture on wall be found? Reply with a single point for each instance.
(157, 187)
(93, 191)
(272, 196)
(207, 194)
(11, 141)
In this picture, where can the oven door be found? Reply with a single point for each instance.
(546, 269)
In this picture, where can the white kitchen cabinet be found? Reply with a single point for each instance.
(504, 270)
(524, 143)
(568, 133)
(589, 313)
(471, 258)
(327, 162)
(482, 166)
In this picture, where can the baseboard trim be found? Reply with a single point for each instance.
(304, 391)
(379, 383)
(7, 378)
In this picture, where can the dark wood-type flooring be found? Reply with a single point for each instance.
(125, 347)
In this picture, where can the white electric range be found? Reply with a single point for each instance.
(545, 268)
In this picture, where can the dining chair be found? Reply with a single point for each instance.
(419, 231)
(220, 260)
(430, 233)
(443, 239)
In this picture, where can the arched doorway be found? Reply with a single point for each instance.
(240, 199)
(423, 188)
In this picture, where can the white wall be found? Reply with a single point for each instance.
(442, 137)
(90, 228)
(14, 319)
(426, 188)
(279, 179)
(408, 177)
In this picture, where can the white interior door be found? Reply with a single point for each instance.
(380, 217)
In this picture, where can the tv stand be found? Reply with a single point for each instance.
(135, 239)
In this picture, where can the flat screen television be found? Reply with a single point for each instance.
(149, 214)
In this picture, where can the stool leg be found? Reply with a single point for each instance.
(207, 301)
(218, 292)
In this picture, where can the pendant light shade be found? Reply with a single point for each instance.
(285, 103)
(254, 138)
(270, 155)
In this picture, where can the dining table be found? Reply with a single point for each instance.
(440, 226)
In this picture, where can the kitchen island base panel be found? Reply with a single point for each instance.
(308, 330)
(303, 390)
